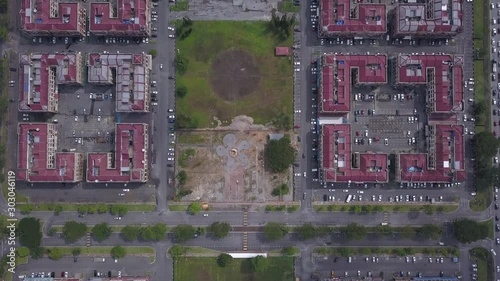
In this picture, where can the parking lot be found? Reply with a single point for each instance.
(366, 266)
(85, 266)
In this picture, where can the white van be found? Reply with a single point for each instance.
(350, 259)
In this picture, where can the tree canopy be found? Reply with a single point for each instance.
(118, 252)
(130, 232)
(219, 229)
(55, 254)
(281, 26)
(467, 231)
(101, 231)
(430, 231)
(194, 208)
(279, 154)
(486, 146)
(281, 190)
(177, 250)
(307, 231)
(224, 259)
(275, 231)
(153, 232)
(354, 231)
(259, 264)
(73, 231)
(30, 234)
(183, 232)
(118, 210)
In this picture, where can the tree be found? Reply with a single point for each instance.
(118, 252)
(153, 53)
(153, 232)
(354, 231)
(118, 210)
(275, 231)
(182, 177)
(281, 26)
(101, 231)
(30, 234)
(467, 231)
(407, 232)
(73, 231)
(224, 259)
(52, 231)
(289, 251)
(345, 252)
(307, 231)
(259, 263)
(76, 251)
(430, 231)
(37, 252)
(479, 110)
(91, 209)
(279, 154)
(55, 254)
(281, 190)
(58, 209)
(82, 209)
(486, 146)
(102, 208)
(183, 232)
(219, 229)
(429, 210)
(130, 232)
(180, 91)
(177, 250)
(194, 208)
(181, 64)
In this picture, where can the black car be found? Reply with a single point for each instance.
(13, 69)
(496, 206)
(325, 197)
(171, 77)
(496, 218)
(154, 99)
(75, 259)
(109, 274)
(170, 165)
(95, 273)
(335, 260)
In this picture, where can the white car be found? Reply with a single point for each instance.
(205, 215)
(170, 159)
(171, 28)
(171, 117)
(171, 36)
(118, 218)
(496, 160)
(126, 190)
(121, 194)
(76, 118)
(170, 110)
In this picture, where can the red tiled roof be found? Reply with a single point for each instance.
(448, 77)
(34, 146)
(131, 16)
(130, 160)
(371, 18)
(282, 51)
(414, 19)
(41, 20)
(34, 78)
(449, 158)
(337, 158)
(371, 69)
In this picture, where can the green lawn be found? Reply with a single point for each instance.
(286, 6)
(209, 39)
(491, 230)
(479, 93)
(184, 138)
(177, 207)
(179, 6)
(481, 201)
(201, 269)
(479, 13)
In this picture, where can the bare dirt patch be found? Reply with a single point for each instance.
(228, 165)
(234, 75)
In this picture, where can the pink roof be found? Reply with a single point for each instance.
(371, 18)
(415, 19)
(67, 19)
(36, 142)
(282, 51)
(131, 17)
(337, 158)
(449, 158)
(448, 77)
(371, 69)
(34, 78)
(130, 159)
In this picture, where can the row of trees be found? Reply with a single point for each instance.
(101, 208)
(56, 253)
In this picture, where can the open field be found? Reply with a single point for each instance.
(279, 269)
(286, 6)
(179, 6)
(231, 71)
(226, 166)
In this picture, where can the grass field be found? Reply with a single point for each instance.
(179, 6)
(479, 13)
(286, 6)
(208, 40)
(177, 207)
(201, 269)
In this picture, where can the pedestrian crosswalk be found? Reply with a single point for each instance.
(89, 240)
(245, 234)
